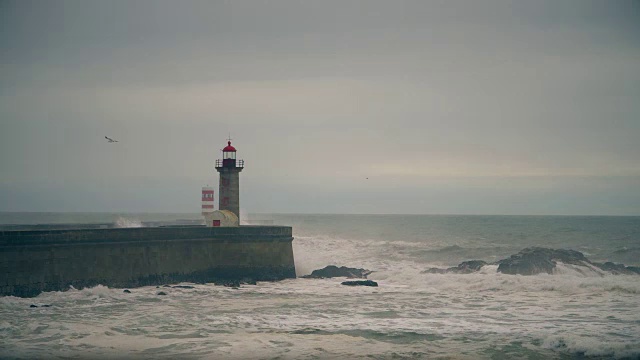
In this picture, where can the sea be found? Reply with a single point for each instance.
(411, 314)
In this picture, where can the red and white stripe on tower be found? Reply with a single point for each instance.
(207, 200)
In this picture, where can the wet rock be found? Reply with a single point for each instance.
(537, 260)
(162, 293)
(465, 267)
(166, 286)
(33, 306)
(183, 287)
(618, 269)
(248, 282)
(532, 261)
(360, 283)
(332, 271)
(470, 266)
(127, 291)
(45, 305)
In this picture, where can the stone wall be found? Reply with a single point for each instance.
(36, 261)
(229, 189)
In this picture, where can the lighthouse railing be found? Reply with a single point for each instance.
(220, 163)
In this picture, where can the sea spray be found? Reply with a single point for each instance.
(122, 222)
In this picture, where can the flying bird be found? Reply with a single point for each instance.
(110, 139)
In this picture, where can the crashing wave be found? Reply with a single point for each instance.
(122, 222)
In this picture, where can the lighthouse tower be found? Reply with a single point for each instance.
(229, 169)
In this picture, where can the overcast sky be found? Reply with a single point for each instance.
(435, 107)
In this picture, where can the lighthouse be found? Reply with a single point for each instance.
(229, 187)
(207, 200)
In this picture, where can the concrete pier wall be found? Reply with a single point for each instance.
(35, 261)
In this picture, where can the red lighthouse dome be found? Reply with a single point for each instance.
(229, 147)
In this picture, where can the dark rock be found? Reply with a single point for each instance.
(465, 267)
(334, 271)
(531, 261)
(162, 293)
(360, 283)
(167, 286)
(127, 291)
(183, 287)
(33, 306)
(45, 305)
(618, 269)
(470, 266)
(537, 260)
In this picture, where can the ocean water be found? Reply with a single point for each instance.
(411, 315)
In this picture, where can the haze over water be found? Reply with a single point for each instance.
(412, 314)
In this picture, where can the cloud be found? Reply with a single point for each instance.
(417, 96)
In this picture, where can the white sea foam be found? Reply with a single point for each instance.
(122, 222)
(574, 312)
(592, 346)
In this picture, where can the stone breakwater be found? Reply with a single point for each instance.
(54, 260)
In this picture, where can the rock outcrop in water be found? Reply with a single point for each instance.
(617, 269)
(532, 261)
(360, 283)
(334, 271)
(465, 267)
(537, 260)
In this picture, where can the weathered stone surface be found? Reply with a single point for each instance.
(360, 283)
(334, 271)
(536, 260)
(465, 267)
(127, 291)
(55, 260)
(162, 293)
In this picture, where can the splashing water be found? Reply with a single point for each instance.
(122, 222)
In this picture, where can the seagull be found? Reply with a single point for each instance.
(110, 140)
